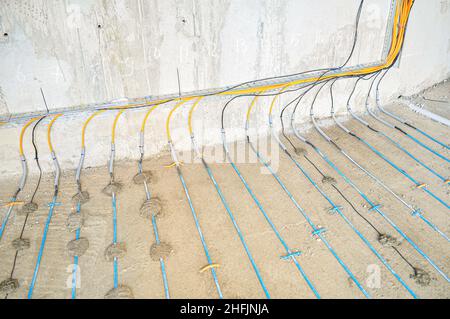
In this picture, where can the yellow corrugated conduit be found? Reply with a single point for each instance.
(49, 129)
(22, 133)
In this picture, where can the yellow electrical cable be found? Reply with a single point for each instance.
(49, 129)
(272, 104)
(83, 131)
(184, 100)
(251, 107)
(150, 112)
(173, 164)
(22, 133)
(113, 133)
(18, 203)
(401, 14)
(146, 117)
(191, 112)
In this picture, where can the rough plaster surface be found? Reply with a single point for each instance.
(91, 52)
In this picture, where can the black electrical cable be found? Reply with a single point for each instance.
(296, 107)
(359, 214)
(374, 76)
(354, 45)
(342, 195)
(36, 158)
(358, 16)
(317, 82)
(261, 95)
(355, 37)
(371, 85)
(327, 70)
(433, 100)
(382, 77)
(398, 55)
(174, 99)
(298, 99)
(224, 91)
(355, 40)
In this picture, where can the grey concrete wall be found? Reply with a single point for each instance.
(84, 52)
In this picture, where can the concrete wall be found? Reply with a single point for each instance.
(84, 52)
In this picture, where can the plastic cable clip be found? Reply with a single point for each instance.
(318, 231)
(375, 207)
(422, 185)
(290, 255)
(416, 212)
(54, 204)
(334, 209)
(209, 266)
(174, 164)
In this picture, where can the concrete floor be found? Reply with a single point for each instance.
(176, 226)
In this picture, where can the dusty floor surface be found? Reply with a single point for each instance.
(142, 273)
